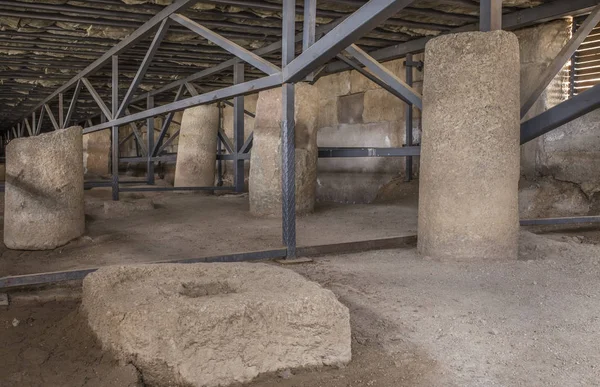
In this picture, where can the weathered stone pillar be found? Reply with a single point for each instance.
(265, 166)
(197, 151)
(44, 190)
(468, 203)
(96, 153)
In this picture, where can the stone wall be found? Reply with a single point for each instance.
(539, 45)
(356, 112)
(561, 167)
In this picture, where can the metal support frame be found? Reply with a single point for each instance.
(398, 87)
(561, 60)
(115, 129)
(519, 19)
(561, 114)
(344, 34)
(150, 140)
(238, 129)
(288, 126)
(408, 170)
(490, 15)
(309, 29)
(337, 37)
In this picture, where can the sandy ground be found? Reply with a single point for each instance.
(164, 226)
(416, 322)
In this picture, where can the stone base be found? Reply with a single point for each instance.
(44, 205)
(215, 324)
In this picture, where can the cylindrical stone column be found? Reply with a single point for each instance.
(265, 165)
(197, 150)
(468, 202)
(44, 190)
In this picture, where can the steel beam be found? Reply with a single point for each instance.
(309, 29)
(40, 121)
(28, 126)
(561, 60)
(229, 146)
(139, 76)
(347, 32)
(73, 104)
(408, 168)
(249, 87)
(238, 129)
(288, 140)
(139, 34)
(561, 114)
(490, 15)
(168, 142)
(167, 124)
(150, 145)
(51, 116)
(61, 110)
(271, 48)
(365, 73)
(554, 221)
(337, 152)
(399, 88)
(515, 20)
(310, 24)
(248, 144)
(105, 110)
(233, 48)
(115, 129)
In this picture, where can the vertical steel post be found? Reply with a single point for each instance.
(238, 129)
(409, 118)
(115, 129)
(61, 110)
(490, 15)
(310, 24)
(288, 146)
(309, 29)
(220, 149)
(150, 142)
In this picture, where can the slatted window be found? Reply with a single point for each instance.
(585, 72)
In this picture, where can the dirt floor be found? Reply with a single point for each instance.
(416, 322)
(166, 226)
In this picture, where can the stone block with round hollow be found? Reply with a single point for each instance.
(468, 202)
(197, 151)
(265, 165)
(215, 324)
(44, 204)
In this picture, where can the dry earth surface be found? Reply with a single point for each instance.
(415, 321)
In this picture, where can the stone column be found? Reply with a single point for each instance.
(96, 153)
(265, 165)
(468, 204)
(197, 150)
(44, 190)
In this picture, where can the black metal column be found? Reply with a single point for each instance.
(288, 143)
(490, 15)
(409, 118)
(238, 129)
(220, 148)
(115, 129)
(150, 142)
